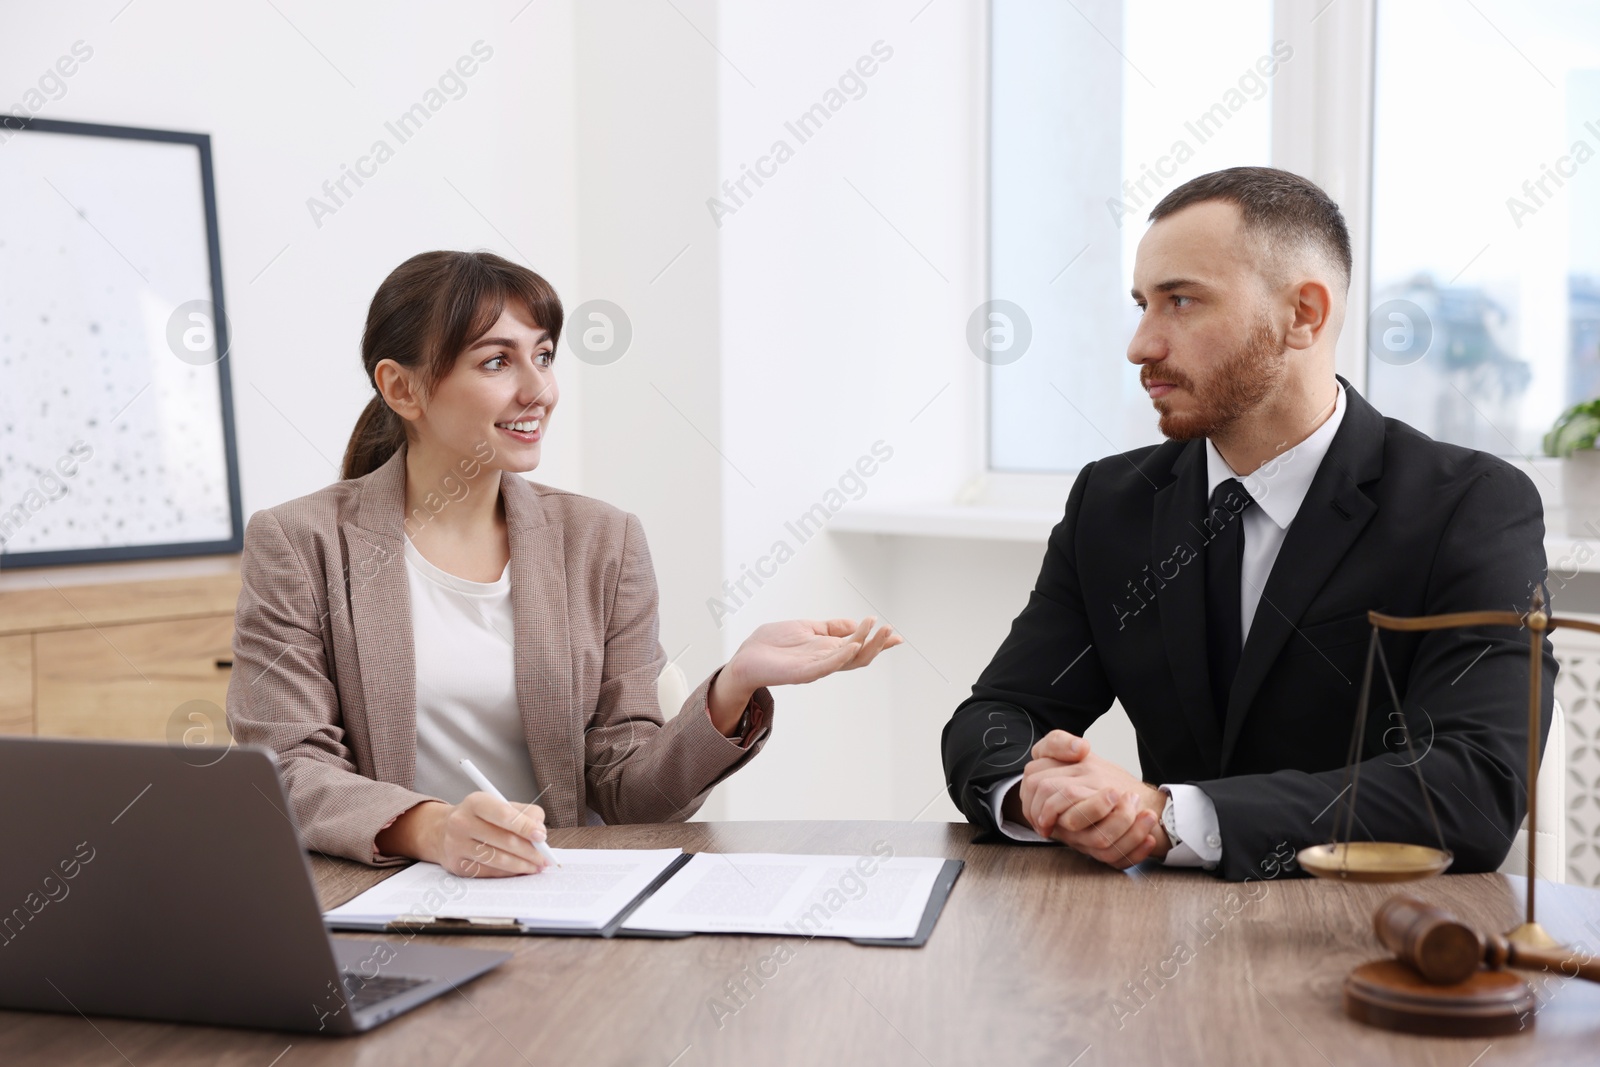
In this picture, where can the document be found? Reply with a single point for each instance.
(768, 893)
(584, 894)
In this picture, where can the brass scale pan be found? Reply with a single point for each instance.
(1393, 861)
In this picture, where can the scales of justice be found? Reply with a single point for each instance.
(1446, 978)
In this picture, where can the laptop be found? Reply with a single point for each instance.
(137, 880)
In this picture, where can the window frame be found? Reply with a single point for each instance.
(1330, 80)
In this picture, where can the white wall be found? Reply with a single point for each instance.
(848, 279)
(283, 119)
(786, 338)
(780, 333)
(646, 88)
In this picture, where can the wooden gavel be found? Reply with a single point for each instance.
(1445, 950)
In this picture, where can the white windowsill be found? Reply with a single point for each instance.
(1566, 554)
(982, 522)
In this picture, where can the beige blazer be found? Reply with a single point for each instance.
(325, 675)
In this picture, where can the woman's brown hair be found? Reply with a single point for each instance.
(423, 316)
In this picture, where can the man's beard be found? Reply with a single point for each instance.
(1232, 387)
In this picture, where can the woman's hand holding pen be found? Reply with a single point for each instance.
(481, 837)
(790, 653)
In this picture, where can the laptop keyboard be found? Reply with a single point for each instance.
(363, 992)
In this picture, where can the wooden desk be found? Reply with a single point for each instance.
(1036, 960)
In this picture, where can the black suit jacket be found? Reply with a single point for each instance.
(1393, 521)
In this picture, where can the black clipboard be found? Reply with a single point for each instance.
(943, 883)
(481, 927)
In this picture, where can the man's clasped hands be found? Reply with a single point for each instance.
(1074, 796)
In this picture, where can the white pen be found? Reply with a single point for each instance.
(488, 787)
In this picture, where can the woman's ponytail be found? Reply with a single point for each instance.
(378, 435)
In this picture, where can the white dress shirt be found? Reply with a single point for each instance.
(1278, 487)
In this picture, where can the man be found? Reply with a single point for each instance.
(1217, 585)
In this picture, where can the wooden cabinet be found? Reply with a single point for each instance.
(130, 681)
(139, 651)
(16, 684)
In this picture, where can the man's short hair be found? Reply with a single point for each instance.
(1283, 209)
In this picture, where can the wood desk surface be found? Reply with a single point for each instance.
(1041, 956)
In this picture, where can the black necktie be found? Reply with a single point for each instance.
(1224, 525)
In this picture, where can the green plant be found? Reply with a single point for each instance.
(1577, 428)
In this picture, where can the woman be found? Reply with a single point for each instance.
(434, 606)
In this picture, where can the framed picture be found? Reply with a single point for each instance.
(116, 411)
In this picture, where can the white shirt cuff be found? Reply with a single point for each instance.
(1196, 817)
(1015, 830)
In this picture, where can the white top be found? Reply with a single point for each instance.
(466, 684)
(1279, 487)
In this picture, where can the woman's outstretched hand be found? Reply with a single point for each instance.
(791, 653)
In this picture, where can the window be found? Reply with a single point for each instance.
(1485, 266)
(1097, 110)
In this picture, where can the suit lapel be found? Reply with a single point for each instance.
(1331, 517)
(1179, 506)
(552, 726)
(380, 613)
